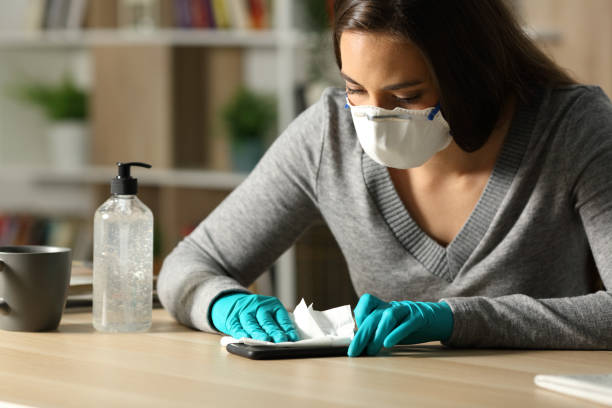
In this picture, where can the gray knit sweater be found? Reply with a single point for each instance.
(521, 273)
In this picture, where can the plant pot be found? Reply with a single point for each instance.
(245, 154)
(68, 143)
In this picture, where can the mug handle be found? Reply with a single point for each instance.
(4, 307)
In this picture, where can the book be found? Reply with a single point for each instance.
(81, 278)
(80, 291)
(182, 13)
(24, 230)
(39, 232)
(76, 14)
(61, 234)
(16, 229)
(167, 9)
(9, 227)
(592, 387)
(199, 14)
(209, 14)
(257, 14)
(220, 12)
(35, 15)
(3, 223)
(238, 14)
(56, 14)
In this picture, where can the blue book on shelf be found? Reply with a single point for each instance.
(183, 13)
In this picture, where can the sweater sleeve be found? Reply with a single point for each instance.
(251, 228)
(580, 322)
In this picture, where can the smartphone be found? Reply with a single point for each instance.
(275, 353)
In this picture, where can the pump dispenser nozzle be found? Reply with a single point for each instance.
(124, 183)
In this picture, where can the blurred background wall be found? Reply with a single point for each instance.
(176, 83)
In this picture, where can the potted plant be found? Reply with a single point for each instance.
(65, 105)
(250, 118)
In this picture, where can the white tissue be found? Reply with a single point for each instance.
(332, 327)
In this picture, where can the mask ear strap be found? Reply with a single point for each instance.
(346, 105)
(433, 113)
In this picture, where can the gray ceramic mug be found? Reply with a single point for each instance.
(34, 284)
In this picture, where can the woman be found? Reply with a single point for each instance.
(465, 177)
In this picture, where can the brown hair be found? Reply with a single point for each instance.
(478, 53)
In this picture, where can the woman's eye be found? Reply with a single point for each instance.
(408, 99)
(354, 91)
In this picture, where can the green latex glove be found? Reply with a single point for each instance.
(387, 324)
(254, 316)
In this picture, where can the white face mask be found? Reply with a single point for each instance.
(400, 138)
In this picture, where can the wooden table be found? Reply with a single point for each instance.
(173, 366)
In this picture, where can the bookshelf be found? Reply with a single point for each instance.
(179, 192)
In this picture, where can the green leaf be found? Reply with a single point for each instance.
(63, 101)
(250, 115)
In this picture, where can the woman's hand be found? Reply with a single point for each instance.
(253, 316)
(387, 324)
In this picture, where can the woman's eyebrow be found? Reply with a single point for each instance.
(401, 85)
(349, 79)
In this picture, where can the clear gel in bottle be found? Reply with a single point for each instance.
(123, 258)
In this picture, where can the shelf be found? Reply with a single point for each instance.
(184, 195)
(204, 179)
(169, 37)
(179, 37)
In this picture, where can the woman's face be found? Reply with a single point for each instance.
(381, 70)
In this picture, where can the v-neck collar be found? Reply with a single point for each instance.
(446, 262)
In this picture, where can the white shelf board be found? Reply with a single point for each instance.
(103, 174)
(180, 37)
(170, 37)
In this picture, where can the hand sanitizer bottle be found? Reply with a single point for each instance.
(123, 258)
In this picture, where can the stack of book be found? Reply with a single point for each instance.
(80, 291)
